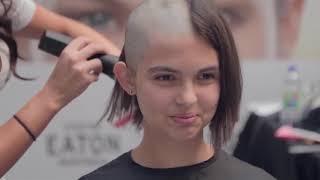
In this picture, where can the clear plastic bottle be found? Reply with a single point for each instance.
(291, 111)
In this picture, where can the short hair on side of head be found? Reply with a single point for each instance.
(209, 25)
(161, 14)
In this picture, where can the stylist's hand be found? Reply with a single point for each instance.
(73, 73)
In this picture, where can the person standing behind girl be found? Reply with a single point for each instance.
(70, 77)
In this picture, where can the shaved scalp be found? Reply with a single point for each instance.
(154, 18)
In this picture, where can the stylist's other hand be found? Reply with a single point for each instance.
(73, 73)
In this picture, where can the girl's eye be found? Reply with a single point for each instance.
(166, 77)
(207, 76)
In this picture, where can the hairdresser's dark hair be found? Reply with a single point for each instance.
(210, 25)
(6, 36)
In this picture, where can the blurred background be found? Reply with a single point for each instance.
(279, 46)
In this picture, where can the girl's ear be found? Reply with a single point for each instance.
(124, 77)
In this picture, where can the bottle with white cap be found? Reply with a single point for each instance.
(291, 111)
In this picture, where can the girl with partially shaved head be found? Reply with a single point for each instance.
(178, 73)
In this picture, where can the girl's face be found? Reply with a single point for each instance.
(177, 87)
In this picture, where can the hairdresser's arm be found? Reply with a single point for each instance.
(44, 19)
(71, 76)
